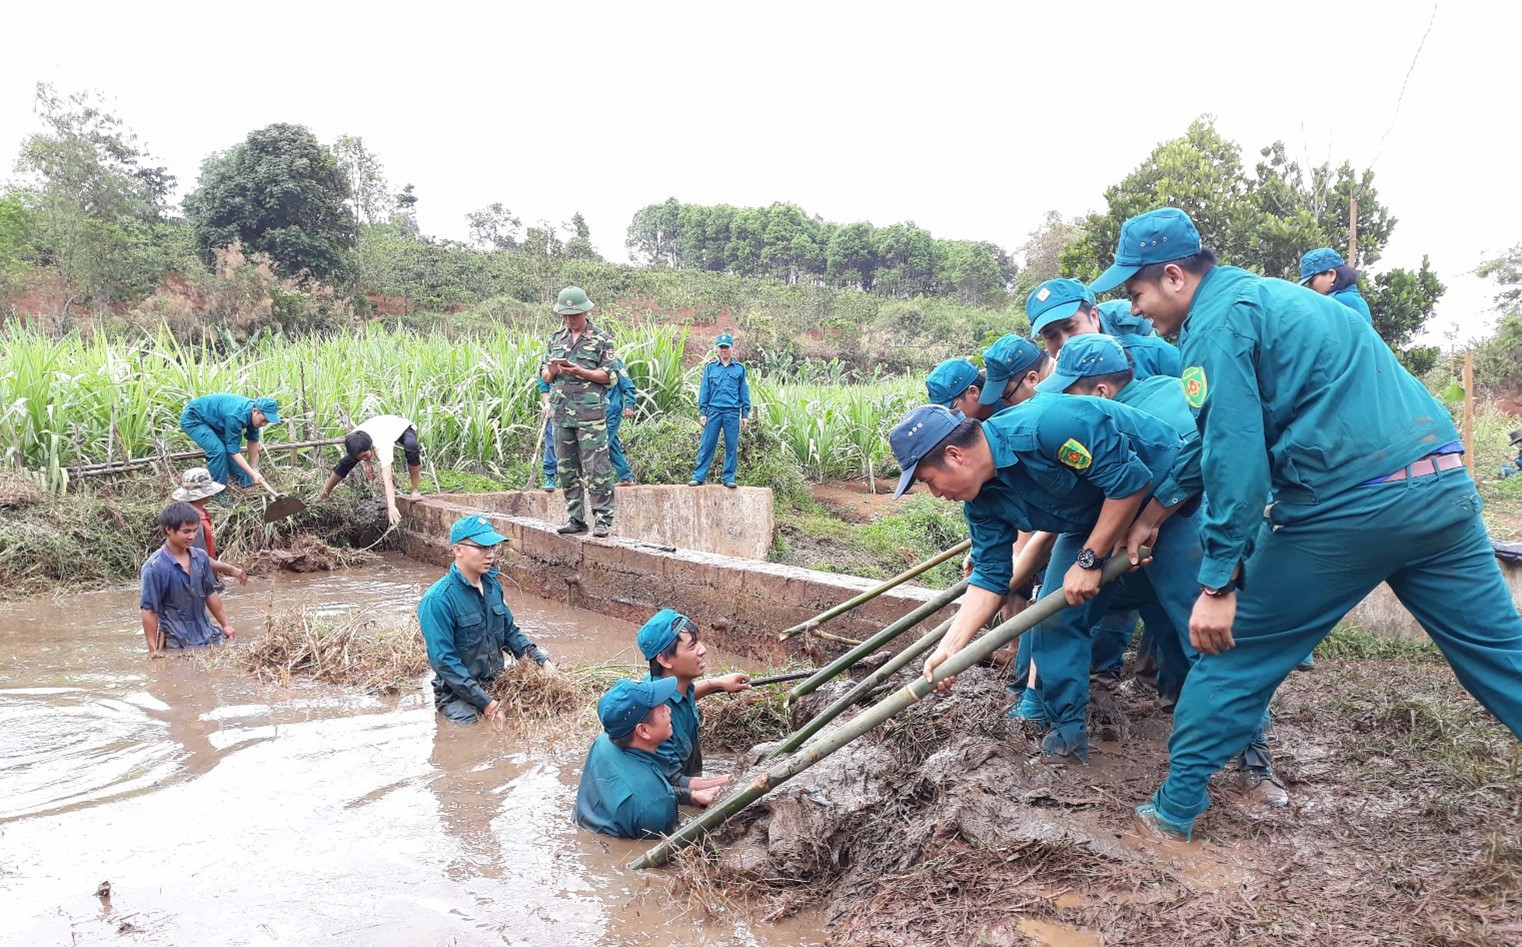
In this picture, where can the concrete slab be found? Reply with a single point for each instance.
(1382, 613)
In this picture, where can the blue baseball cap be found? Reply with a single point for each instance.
(657, 634)
(1115, 318)
(269, 407)
(724, 339)
(627, 702)
(1154, 237)
(474, 529)
(1006, 358)
(949, 379)
(1319, 260)
(916, 435)
(1084, 356)
(1055, 300)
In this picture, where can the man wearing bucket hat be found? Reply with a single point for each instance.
(1299, 402)
(1060, 309)
(579, 368)
(219, 424)
(1076, 467)
(623, 790)
(196, 487)
(467, 625)
(669, 641)
(1324, 271)
(958, 384)
(723, 405)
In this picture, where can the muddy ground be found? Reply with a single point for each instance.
(1405, 827)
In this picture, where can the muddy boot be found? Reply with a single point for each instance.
(1029, 708)
(1258, 786)
(600, 531)
(1151, 822)
(1059, 751)
(574, 526)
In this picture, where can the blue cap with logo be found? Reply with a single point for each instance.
(627, 702)
(1154, 237)
(949, 379)
(475, 529)
(1005, 359)
(1318, 260)
(1115, 318)
(269, 407)
(724, 339)
(916, 435)
(1055, 300)
(657, 634)
(1084, 356)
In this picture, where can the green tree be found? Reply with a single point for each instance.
(405, 215)
(281, 193)
(1042, 251)
(493, 227)
(370, 201)
(851, 256)
(14, 228)
(1498, 360)
(655, 236)
(579, 246)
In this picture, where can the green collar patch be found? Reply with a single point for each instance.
(1075, 455)
(1195, 386)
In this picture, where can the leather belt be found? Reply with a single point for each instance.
(1425, 466)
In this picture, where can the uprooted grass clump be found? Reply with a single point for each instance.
(307, 553)
(739, 721)
(347, 650)
(532, 695)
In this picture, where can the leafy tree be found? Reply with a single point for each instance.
(1042, 251)
(851, 256)
(654, 234)
(1498, 360)
(280, 193)
(14, 228)
(370, 200)
(406, 212)
(579, 247)
(493, 227)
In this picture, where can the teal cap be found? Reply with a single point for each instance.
(1055, 300)
(474, 529)
(724, 339)
(269, 407)
(949, 379)
(657, 634)
(916, 435)
(1154, 237)
(1115, 318)
(1006, 358)
(1084, 356)
(627, 702)
(1318, 260)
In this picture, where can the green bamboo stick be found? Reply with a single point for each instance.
(863, 687)
(903, 624)
(872, 593)
(888, 707)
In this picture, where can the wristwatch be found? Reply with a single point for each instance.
(1089, 559)
(1217, 593)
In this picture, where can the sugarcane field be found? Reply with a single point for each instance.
(412, 534)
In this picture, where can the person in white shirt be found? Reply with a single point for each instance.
(375, 440)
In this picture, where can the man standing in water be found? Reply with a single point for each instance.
(623, 790)
(220, 423)
(467, 625)
(178, 588)
(579, 370)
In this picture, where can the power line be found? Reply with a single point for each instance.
(1401, 98)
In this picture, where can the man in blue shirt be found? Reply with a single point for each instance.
(549, 465)
(669, 641)
(178, 588)
(1060, 309)
(1324, 271)
(623, 790)
(219, 424)
(723, 404)
(621, 401)
(1298, 400)
(467, 625)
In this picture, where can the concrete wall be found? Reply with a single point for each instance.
(746, 600)
(737, 522)
(1383, 614)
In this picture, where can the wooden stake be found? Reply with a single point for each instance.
(1353, 232)
(1469, 412)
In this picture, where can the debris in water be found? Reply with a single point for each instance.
(743, 719)
(342, 649)
(103, 890)
(532, 695)
(307, 553)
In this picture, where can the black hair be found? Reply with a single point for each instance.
(1345, 276)
(657, 670)
(1197, 264)
(1116, 381)
(357, 442)
(967, 431)
(176, 515)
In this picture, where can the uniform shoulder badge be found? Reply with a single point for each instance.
(1195, 385)
(1074, 454)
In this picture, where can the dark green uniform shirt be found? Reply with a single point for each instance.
(575, 401)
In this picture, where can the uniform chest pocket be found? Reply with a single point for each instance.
(470, 630)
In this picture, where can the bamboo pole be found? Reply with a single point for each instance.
(872, 593)
(890, 706)
(1469, 412)
(1353, 231)
(863, 687)
(875, 642)
(137, 463)
(780, 678)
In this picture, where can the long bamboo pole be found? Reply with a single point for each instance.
(872, 593)
(890, 706)
(137, 463)
(875, 642)
(863, 687)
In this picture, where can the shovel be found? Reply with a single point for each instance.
(281, 507)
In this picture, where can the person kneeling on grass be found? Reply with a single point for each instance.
(374, 440)
(669, 641)
(467, 625)
(623, 790)
(178, 588)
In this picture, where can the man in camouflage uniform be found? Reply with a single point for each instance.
(580, 368)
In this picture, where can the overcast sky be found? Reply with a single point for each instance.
(972, 120)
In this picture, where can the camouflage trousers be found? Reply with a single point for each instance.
(585, 467)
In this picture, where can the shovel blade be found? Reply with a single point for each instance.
(282, 507)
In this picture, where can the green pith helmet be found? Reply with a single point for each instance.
(573, 299)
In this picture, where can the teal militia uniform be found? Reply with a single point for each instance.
(1269, 364)
(219, 424)
(683, 750)
(579, 410)
(724, 398)
(622, 395)
(1350, 296)
(1151, 355)
(624, 792)
(466, 632)
(548, 464)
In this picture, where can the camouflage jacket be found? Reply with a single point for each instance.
(576, 401)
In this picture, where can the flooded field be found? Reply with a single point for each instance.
(225, 811)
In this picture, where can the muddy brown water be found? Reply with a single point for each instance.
(226, 811)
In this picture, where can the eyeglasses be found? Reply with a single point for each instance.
(1011, 392)
(466, 542)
